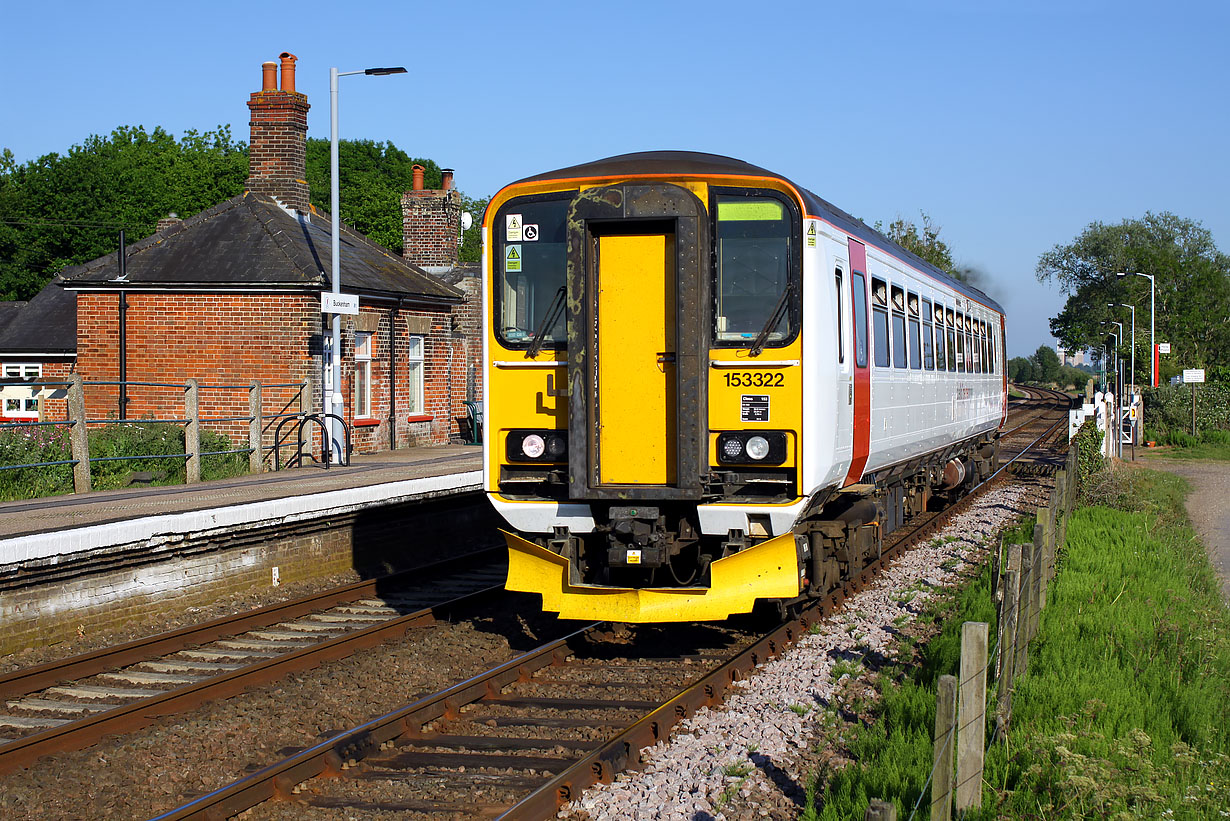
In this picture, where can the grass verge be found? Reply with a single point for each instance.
(1124, 710)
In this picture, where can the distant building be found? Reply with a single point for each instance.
(38, 343)
(1073, 359)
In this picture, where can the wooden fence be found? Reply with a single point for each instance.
(1021, 573)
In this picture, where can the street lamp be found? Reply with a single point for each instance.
(1132, 308)
(335, 426)
(1152, 305)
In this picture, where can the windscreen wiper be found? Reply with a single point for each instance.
(548, 320)
(779, 311)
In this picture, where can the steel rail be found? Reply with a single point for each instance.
(32, 679)
(22, 752)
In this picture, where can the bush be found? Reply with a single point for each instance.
(26, 446)
(117, 451)
(1169, 408)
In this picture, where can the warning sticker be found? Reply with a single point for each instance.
(754, 408)
(634, 557)
(512, 259)
(811, 234)
(529, 233)
(512, 228)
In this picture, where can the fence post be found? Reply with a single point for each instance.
(1007, 648)
(945, 732)
(879, 810)
(305, 396)
(1042, 543)
(973, 720)
(1022, 615)
(78, 436)
(256, 459)
(192, 431)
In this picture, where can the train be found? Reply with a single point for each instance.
(708, 390)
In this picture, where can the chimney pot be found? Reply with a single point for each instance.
(269, 76)
(418, 177)
(446, 179)
(288, 71)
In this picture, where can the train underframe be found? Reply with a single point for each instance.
(839, 531)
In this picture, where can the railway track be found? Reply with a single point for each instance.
(72, 703)
(525, 737)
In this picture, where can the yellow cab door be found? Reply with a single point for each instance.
(635, 354)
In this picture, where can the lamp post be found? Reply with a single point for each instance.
(1152, 317)
(335, 403)
(1132, 308)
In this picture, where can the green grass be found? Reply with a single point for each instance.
(1210, 444)
(1124, 710)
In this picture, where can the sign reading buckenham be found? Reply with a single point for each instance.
(331, 303)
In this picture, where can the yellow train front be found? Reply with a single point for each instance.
(645, 387)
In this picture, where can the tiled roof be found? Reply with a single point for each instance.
(47, 324)
(249, 241)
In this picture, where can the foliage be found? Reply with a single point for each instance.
(892, 756)
(472, 238)
(129, 448)
(1021, 369)
(372, 176)
(27, 446)
(1193, 288)
(1046, 362)
(1169, 408)
(1123, 710)
(925, 243)
(62, 210)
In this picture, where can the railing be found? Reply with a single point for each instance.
(77, 423)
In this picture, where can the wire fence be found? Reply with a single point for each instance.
(294, 401)
(1021, 577)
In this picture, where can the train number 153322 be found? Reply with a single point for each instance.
(759, 379)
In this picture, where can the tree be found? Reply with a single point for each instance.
(472, 238)
(926, 243)
(1046, 364)
(1020, 369)
(62, 210)
(1191, 274)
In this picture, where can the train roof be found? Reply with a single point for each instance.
(702, 164)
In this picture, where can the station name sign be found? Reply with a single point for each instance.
(331, 303)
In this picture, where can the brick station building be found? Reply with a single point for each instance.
(233, 295)
(38, 343)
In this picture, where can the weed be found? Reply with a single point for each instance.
(799, 710)
(737, 769)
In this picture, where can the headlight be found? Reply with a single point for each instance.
(732, 449)
(757, 447)
(533, 446)
(537, 446)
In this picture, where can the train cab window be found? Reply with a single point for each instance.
(879, 321)
(898, 328)
(531, 272)
(755, 258)
(858, 295)
(940, 359)
(950, 322)
(928, 336)
(962, 348)
(841, 331)
(911, 305)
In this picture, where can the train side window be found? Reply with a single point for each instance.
(841, 331)
(911, 306)
(969, 345)
(941, 360)
(928, 336)
(950, 320)
(858, 293)
(879, 321)
(976, 336)
(962, 359)
(898, 328)
(982, 343)
(991, 344)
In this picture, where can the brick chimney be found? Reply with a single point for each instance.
(431, 223)
(170, 220)
(277, 151)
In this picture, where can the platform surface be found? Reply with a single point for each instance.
(452, 466)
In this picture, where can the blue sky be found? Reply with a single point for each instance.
(1012, 125)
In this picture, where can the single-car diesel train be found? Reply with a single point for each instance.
(707, 387)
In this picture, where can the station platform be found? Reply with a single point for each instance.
(59, 525)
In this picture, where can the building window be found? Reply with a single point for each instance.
(20, 402)
(362, 374)
(414, 381)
